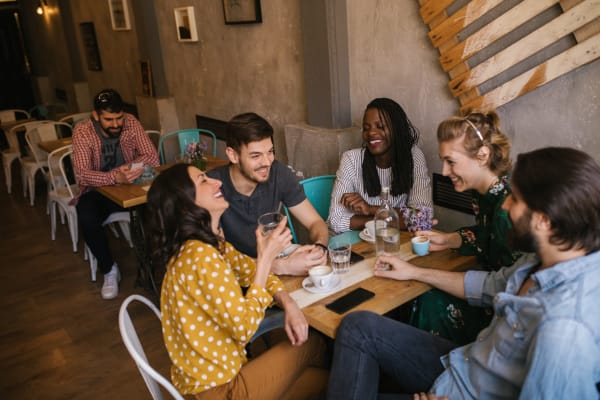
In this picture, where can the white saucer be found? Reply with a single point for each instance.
(365, 237)
(308, 285)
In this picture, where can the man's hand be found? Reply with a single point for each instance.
(298, 263)
(125, 174)
(400, 269)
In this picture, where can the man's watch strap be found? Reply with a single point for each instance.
(321, 245)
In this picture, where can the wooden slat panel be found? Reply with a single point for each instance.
(510, 20)
(460, 19)
(562, 25)
(561, 64)
(432, 8)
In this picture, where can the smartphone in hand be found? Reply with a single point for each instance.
(136, 165)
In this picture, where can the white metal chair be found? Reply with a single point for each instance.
(13, 115)
(13, 152)
(74, 119)
(61, 193)
(154, 136)
(30, 166)
(132, 342)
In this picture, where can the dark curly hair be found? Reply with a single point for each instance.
(403, 137)
(172, 216)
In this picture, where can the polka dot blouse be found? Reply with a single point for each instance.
(206, 320)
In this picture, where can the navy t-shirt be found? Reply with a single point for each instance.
(240, 220)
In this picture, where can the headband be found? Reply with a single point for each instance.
(475, 128)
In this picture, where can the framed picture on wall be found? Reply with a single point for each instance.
(146, 78)
(185, 22)
(90, 45)
(242, 11)
(119, 15)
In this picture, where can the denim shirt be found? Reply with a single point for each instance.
(542, 345)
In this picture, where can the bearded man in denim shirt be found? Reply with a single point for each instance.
(544, 340)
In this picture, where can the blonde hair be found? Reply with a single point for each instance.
(479, 129)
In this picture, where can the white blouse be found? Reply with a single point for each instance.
(349, 180)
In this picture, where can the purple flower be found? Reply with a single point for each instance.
(195, 150)
(418, 219)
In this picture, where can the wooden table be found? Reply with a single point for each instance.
(51, 145)
(389, 293)
(132, 195)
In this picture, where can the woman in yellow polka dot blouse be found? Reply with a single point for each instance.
(206, 319)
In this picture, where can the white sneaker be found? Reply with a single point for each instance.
(110, 288)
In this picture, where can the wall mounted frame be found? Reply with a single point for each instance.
(185, 22)
(242, 12)
(90, 45)
(119, 15)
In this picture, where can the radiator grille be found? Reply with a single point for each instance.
(444, 195)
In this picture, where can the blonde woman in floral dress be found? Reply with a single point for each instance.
(207, 320)
(476, 157)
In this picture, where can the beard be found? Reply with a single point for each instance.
(248, 173)
(521, 237)
(113, 132)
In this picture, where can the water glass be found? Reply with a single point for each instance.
(339, 254)
(269, 221)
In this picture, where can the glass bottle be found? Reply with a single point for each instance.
(387, 226)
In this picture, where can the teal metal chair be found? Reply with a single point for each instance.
(186, 136)
(318, 191)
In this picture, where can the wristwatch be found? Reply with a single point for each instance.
(321, 245)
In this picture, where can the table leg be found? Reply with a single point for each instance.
(145, 275)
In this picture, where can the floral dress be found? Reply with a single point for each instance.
(442, 314)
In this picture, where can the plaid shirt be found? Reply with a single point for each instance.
(87, 153)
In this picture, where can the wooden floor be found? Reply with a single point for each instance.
(58, 338)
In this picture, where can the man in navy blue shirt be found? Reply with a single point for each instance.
(254, 183)
(544, 340)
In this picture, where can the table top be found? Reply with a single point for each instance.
(389, 293)
(132, 195)
(51, 145)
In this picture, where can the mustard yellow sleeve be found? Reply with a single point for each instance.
(212, 285)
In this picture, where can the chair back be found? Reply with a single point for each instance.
(42, 133)
(14, 141)
(132, 342)
(154, 136)
(13, 115)
(74, 119)
(185, 136)
(47, 110)
(318, 192)
(59, 161)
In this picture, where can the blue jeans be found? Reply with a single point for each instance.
(368, 343)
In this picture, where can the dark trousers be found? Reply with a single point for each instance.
(92, 210)
(367, 344)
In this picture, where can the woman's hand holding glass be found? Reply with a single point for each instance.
(269, 246)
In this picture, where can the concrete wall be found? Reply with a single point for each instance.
(259, 67)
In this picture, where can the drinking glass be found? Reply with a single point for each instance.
(269, 221)
(339, 254)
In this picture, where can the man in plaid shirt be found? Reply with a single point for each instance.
(105, 149)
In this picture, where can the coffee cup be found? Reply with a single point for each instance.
(420, 245)
(321, 276)
(370, 229)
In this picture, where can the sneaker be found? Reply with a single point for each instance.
(110, 288)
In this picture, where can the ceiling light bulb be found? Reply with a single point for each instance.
(39, 10)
